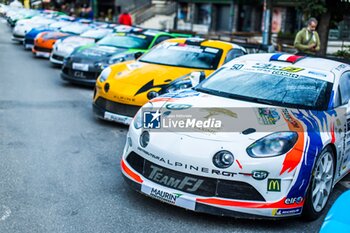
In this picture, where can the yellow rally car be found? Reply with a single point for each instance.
(123, 88)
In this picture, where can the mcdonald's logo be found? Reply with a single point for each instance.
(274, 185)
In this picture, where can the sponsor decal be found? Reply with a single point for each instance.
(152, 119)
(164, 196)
(188, 167)
(148, 86)
(274, 185)
(79, 74)
(211, 50)
(178, 106)
(278, 70)
(183, 94)
(134, 65)
(268, 116)
(187, 48)
(285, 73)
(291, 211)
(317, 73)
(187, 184)
(293, 200)
(292, 69)
(237, 66)
(81, 66)
(259, 175)
(341, 67)
(220, 111)
(289, 118)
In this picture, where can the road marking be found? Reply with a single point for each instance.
(5, 212)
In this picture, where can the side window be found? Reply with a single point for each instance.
(233, 53)
(337, 100)
(344, 87)
(160, 39)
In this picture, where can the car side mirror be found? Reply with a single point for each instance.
(197, 77)
(137, 55)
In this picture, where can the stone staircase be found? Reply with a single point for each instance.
(157, 15)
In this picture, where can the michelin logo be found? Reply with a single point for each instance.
(292, 211)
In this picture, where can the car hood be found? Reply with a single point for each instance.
(135, 79)
(238, 118)
(72, 42)
(35, 31)
(96, 53)
(53, 35)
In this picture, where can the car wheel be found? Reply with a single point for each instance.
(321, 184)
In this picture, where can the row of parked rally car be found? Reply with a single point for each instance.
(276, 149)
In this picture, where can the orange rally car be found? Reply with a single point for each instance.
(43, 42)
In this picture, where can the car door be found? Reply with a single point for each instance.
(344, 109)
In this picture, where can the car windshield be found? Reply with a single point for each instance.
(127, 41)
(183, 55)
(74, 29)
(95, 34)
(288, 90)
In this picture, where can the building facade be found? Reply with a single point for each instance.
(235, 16)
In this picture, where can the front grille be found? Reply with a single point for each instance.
(209, 187)
(117, 108)
(80, 74)
(40, 49)
(28, 41)
(59, 58)
(17, 36)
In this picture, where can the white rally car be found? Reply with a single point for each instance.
(64, 47)
(25, 25)
(266, 135)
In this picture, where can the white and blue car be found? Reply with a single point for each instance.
(266, 136)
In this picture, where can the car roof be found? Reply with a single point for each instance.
(209, 43)
(301, 61)
(315, 67)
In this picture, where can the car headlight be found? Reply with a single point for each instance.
(138, 122)
(104, 74)
(116, 59)
(183, 82)
(273, 145)
(102, 65)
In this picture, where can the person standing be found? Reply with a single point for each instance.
(307, 40)
(125, 19)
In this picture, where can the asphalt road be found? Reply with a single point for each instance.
(59, 167)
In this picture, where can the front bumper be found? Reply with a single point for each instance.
(205, 204)
(56, 59)
(109, 116)
(41, 51)
(113, 111)
(18, 38)
(28, 43)
(72, 76)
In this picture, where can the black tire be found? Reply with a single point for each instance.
(310, 213)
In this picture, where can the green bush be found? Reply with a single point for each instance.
(345, 53)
